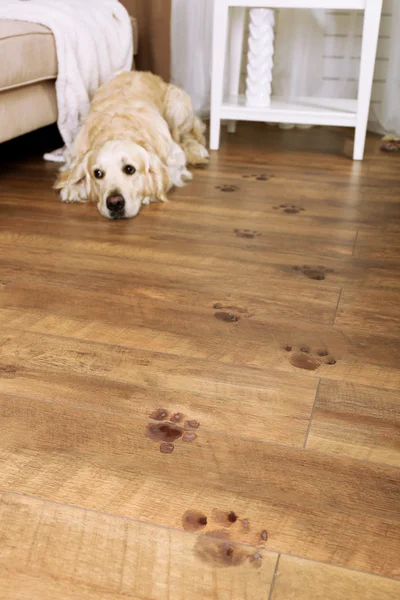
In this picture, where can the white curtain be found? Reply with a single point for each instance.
(299, 40)
(191, 33)
(316, 54)
(385, 106)
(385, 116)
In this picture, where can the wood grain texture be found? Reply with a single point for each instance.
(150, 321)
(217, 264)
(233, 400)
(181, 286)
(103, 323)
(373, 311)
(89, 555)
(312, 505)
(357, 421)
(298, 579)
(381, 244)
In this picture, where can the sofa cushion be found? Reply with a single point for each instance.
(29, 53)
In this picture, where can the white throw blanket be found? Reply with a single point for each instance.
(94, 44)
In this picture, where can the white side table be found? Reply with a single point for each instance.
(308, 111)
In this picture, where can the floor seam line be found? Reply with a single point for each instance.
(355, 242)
(337, 307)
(271, 591)
(312, 415)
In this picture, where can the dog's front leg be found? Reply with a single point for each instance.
(158, 181)
(178, 173)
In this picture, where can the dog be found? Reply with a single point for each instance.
(135, 144)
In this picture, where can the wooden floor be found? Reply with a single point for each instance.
(257, 313)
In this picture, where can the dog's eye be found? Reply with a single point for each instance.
(98, 174)
(129, 170)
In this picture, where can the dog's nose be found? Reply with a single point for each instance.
(115, 204)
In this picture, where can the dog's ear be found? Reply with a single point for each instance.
(141, 160)
(158, 181)
(75, 174)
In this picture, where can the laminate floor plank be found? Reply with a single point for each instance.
(358, 421)
(53, 551)
(317, 506)
(295, 297)
(299, 579)
(193, 327)
(374, 311)
(205, 263)
(235, 400)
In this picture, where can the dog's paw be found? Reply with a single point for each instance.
(186, 176)
(181, 177)
(153, 199)
(196, 154)
(73, 194)
(203, 155)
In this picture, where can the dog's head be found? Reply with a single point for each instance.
(120, 178)
(120, 175)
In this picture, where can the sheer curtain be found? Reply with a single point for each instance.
(385, 106)
(385, 116)
(191, 32)
(316, 54)
(298, 58)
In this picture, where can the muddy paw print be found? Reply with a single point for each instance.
(227, 188)
(246, 233)
(289, 209)
(227, 317)
(8, 370)
(230, 317)
(258, 177)
(317, 272)
(217, 546)
(167, 431)
(303, 357)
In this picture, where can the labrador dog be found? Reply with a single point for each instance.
(134, 146)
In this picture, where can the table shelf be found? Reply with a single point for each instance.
(308, 111)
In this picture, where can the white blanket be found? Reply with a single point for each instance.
(94, 44)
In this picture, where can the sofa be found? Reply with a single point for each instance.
(27, 77)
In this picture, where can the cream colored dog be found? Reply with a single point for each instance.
(135, 144)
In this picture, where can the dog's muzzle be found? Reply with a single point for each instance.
(116, 206)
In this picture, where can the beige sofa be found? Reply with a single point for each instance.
(27, 77)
